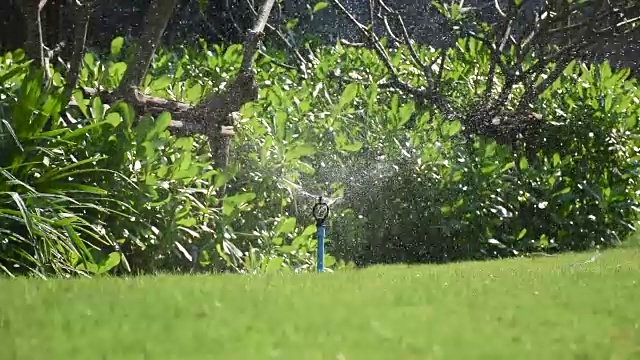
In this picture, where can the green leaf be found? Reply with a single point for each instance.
(239, 198)
(524, 164)
(605, 72)
(329, 260)
(608, 103)
(264, 151)
(116, 72)
(631, 122)
(194, 93)
(184, 143)
(285, 226)
(562, 192)
(274, 264)
(308, 231)
(454, 127)
(5, 125)
(97, 109)
(232, 54)
(281, 120)
(286, 249)
(160, 125)
(522, 233)
(405, 113)
(109, 262)
(299, 151)
(89, 60)
(291, 24)
(343, 144)
(116, 45)
(160, 83)
(349, 93)
(114, 119)
(319, 6)
(26, 214)
(489, 169)
(490, 149)
(440, 7)
(556, 159)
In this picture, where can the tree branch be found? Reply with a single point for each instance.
(156, 21)
(81, 16)
(372, 38)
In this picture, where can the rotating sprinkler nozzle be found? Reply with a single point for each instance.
(320, 213)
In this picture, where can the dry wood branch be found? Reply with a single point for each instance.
(292, 47)
(374, 41)
(256, 34)
(406, 38)
(182, 122)
(81, 16)
(156, 21)
(299, 57)
(43, 60)
(556, 19)
(372, 11)
(564, 57)
(497, 5)
(29, 10)
(212, 115)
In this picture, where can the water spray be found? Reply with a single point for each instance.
(320, 213)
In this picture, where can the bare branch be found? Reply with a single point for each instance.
(564, 60)
(372, 5)
(497, 5)
(407, 40)
(254, 36)
(43, 60)
(81, 16)
(233, 19)
(213, 116)
(389, 31)
(629, 21)
(420, 93)
(156, 21)
(281, 36)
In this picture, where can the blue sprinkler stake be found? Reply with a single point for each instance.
(320, 213)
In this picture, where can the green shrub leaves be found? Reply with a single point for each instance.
(116, 192)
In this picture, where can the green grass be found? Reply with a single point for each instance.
(542, 308)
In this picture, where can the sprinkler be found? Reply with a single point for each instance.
(320, 212)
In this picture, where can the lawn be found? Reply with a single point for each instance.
(541, 308)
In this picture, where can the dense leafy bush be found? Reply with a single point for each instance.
(114, 192)
(147, 197)
(44, 218)
(453, 199)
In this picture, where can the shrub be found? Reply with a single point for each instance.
(120, 192)
(574, 188)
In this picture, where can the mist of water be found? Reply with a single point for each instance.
(358, 184)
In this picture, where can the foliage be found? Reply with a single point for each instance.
(415, 188)
(457, 197)
(44, 218)
(162, 212)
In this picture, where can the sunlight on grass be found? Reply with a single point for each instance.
(543, 308)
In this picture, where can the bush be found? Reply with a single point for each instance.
(148, 198)
(574, 188)
(44, 218)
(114, 192)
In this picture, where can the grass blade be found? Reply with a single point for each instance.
(24, 211)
